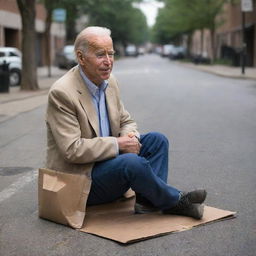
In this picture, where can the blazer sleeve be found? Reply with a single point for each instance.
(64, 125)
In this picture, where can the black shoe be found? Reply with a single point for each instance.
(189, 204)
(195, 211)
(142, 205)
(194, 197)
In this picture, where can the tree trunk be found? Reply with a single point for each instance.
(213, 44)
(189, 45)
(71, 23)
(47, 35)
(29, 67)
(202, 42)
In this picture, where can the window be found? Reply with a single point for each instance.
(13, 54)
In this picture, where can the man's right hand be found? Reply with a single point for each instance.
(128, 145)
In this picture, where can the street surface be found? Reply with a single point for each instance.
(211, 124)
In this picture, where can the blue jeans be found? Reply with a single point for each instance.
(145, 173)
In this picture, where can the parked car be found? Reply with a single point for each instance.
(12, 56)
(178, 52)
(201, 58)
(167, 49)
(141, 50)
(66, 58)
(131, 50)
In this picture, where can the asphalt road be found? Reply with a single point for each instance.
(211, 124)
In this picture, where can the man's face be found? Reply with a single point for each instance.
(97, 62)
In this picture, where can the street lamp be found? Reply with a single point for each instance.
(246, 6)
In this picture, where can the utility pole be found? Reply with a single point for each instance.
(243, 44)
(246, 6)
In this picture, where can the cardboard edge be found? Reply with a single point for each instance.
(231, 215)
(129, 242)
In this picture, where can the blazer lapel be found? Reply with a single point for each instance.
(87, 103)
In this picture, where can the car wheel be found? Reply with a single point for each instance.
(15, 77)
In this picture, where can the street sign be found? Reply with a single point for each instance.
(246, 5)
(59, 15)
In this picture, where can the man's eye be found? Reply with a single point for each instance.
(103, 55)
(100, 55)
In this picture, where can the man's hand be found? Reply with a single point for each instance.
(129, 144)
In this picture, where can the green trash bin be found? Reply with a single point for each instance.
(4, 77)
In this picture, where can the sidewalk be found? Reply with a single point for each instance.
(44, 83)
(224, 71)
(17, 101)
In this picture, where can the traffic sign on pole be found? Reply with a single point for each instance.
(246, 5)
(59, 15)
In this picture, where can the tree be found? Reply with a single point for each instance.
(49, 6)
(71, 7)
(181, 17)
(29, 71)
(127, 23)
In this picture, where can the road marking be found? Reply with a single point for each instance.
(18, 185)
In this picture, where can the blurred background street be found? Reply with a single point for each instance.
(210, 122)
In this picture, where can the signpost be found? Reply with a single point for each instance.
(246, 6)
(59, 15)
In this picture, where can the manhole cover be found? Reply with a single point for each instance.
(9, 171)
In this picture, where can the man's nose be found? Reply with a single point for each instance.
(107, 59)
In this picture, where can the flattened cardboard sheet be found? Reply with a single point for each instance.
(117, 221)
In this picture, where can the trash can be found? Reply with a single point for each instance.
(4, 77)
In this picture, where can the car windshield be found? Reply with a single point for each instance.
(2, 54)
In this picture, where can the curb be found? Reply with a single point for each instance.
(36, 93)
(215, 72)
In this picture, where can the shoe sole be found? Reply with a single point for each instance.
(195, 211)
(200, 212)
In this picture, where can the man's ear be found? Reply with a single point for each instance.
(80, 57)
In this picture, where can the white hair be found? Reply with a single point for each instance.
(82, 39)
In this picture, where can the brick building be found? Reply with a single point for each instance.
(230, 33)
(11, 27)
(228, 36)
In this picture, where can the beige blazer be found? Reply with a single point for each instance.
(74, 145)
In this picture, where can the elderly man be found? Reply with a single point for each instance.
(90, 130)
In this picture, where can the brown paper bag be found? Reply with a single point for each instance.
(62, 196)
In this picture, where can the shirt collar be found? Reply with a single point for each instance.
(91, 86)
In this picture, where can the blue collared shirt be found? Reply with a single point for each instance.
(99, 101)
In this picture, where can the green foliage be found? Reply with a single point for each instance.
(127, 23)
(225, 62)
(185, 16)
(72, 9)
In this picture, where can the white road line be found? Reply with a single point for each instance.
(18, 185)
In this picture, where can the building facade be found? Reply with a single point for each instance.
(11, 30)
(229, 36)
